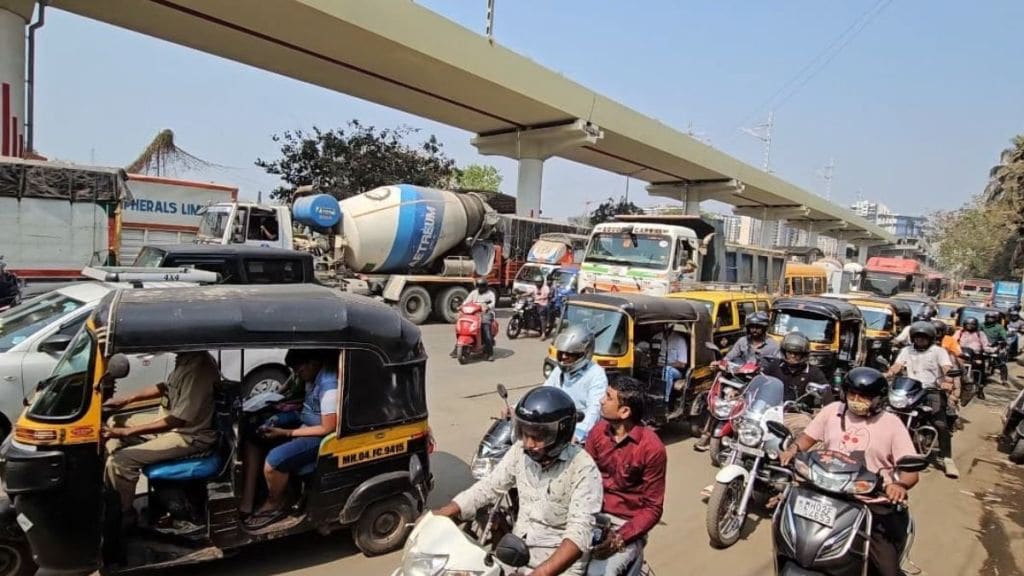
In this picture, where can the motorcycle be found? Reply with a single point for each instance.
(525, 316)
(907, 400)
(725, 403)
(822, 527)
(469, 340)
(493, 447)
(995, 359)
(752, 464)
(974, 374)
(10, 287)
(1011, 439)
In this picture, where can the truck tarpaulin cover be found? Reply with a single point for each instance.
(59, 181)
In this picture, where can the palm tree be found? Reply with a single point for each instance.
(1006, 187)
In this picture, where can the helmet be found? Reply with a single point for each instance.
(757, 319)
(927, 312)
(796, 343)
(922, 328)
(1014, 315)
(991, 317)
(480, 283)
(1015, 309)
(575, 346)
(971, 324)
(940, 327)
(546, 414)
(869, 383)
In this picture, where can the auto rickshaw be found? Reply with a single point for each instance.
(978, 313)
(834, 327)
(630, 329)
(54, 465)
(917, 300)
(884, 319)
(948, 310)
(729, 308)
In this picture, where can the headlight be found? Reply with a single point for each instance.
(723, 408)
(829, 481)
(898, 400)
(420, 564)
(876, 344)
(749, 433)
(482, 467)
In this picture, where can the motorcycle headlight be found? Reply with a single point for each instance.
(723, 408)
(898, 400)
(876, 344)
(419, 564)
(482, 467)
(749, 433)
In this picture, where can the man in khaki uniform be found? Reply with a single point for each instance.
(182, 427)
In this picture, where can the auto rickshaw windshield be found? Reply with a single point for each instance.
(817, 328)
(608, 326)
(877, 318)
(947, 310)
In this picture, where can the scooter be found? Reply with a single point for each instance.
(469, 340)
(10, 287)
(525, 316)
(1011, 439)
(725, 403)
(822, 528)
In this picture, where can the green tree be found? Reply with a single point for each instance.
(1006, 187)
(976, 240)
(351, 160)
(479, 177)
(611, 208)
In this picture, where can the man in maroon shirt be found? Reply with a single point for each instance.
(632, 462)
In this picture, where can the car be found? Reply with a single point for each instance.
(236, 263)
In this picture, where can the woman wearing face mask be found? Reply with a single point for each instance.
(859, 426)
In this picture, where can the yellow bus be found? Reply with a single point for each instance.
(801, 279)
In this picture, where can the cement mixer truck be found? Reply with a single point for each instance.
(414, 247)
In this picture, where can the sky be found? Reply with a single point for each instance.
(914, 100)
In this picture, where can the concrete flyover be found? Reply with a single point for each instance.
(404, 56)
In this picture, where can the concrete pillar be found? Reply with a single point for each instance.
(532, 147)
(14, 17)
(862, 254)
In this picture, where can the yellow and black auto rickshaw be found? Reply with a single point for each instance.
(630, 333)
(884, 319)
(54, 465)
(834, 327)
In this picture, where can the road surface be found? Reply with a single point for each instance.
(971, 526)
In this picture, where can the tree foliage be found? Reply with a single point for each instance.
(977, 240)
(479, 177)
(611, 208)
(351, 160)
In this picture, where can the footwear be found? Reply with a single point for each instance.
(266, 518)
(453, 353)
(702, 443)
(981, 393)
(707, 490)
(950, 468)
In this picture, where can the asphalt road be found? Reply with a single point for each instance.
(974, 525)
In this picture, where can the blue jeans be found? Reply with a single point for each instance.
(671, 374)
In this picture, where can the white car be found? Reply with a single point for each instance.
(34, 335)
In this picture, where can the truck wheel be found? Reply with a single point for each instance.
(414, 304)
(384, 526)
(265, 379)
(16, 558)
(448, 302)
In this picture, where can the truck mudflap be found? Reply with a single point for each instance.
(393, 288)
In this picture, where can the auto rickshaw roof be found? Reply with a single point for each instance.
(645, 309)
(263, 316)
(831, 307)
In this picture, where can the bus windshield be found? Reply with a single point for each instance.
(637, 250)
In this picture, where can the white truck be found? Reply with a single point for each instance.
(417, 248)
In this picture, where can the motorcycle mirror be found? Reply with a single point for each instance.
(118, 367)
(502, 391)
(778, 428)
(955, 373)
(817, 389)
(511, 550)
(913, 463)
(579, 416)
(882, 361)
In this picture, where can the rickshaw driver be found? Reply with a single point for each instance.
(183, 427)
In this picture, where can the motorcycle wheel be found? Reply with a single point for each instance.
(715, 452)
(514, 328)
(722, 524)
(462, 353)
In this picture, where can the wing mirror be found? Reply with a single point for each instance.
(817, 389)
(118, 367)
(55, 343)
(512, 551)
(778, 428)
(913, 463)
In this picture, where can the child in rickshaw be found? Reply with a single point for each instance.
(293, 437)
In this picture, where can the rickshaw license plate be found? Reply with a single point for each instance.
(815, 510)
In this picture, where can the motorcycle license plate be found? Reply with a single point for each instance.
(818, 511)
(757, 452)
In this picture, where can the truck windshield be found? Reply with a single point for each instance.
(532, 273)
(214, 223)
(608, 325)
(21, 322)
(886, 284)
(948, 310)
(637, 250)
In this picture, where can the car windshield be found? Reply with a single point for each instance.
(637, 250)
(561, 279)
(816, 327)
(763, 393)
(608, 325)
(532, 273)
(214, 222)
(877, 318)
(150, 258)
(21, 322)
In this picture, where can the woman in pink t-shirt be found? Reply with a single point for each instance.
(860, 427)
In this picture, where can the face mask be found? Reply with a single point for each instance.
(858, 407)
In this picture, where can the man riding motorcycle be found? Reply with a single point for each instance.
(996, 334)
(559, 485)
(859, 426)
(796, 373)
(1014, 327)
(755, 345)
(632, 461)
(969, 337)
(926, 314)
(928, 364)
(579, 376)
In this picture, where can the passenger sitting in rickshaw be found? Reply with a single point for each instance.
(673, 357)
(295, 436)
(183, 427)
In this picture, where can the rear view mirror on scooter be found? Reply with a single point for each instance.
(817, 389)
(511, 550)
(914, 463)
(778, 428)
(503, 392)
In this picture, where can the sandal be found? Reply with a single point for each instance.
(266, 518)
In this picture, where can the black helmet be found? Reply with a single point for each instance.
(796, 343)
(927, 312)
(940, 327)
(922, 328)
(971, 324)
(546, 414)
(869, 383)
(756, 320)
(1014, 314)
(991, 317)
(480, 283)
(1015, 308)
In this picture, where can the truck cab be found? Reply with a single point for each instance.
(246, 223)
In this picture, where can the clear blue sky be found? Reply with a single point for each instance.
(915, 109)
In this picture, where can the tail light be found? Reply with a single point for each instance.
(35, 435)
